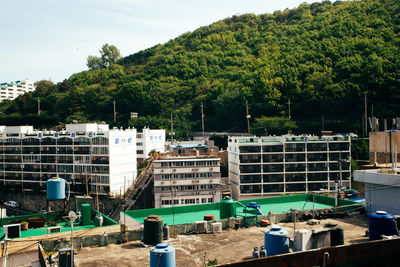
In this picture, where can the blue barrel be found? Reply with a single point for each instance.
(276, 241)
(162, 255)
(55, 189)
(381, 223)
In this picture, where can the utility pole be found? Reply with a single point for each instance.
(202, 120)
(97, 194)
(38, 106)
(365, 114)
(323, 123)
(290, 117)
(248, 116)
(115, 112)
(372, 110)
(172, 129)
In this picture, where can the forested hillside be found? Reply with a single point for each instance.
(322, 57)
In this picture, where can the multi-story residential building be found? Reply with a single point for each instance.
(262, 166)
(85, 155)
(148, 140)
(11, 90)
(186, 180)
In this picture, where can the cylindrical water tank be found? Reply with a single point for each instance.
(55, 189)
(263, 252)
(227, 208)
(337, 237)
(86, 216)
(381, 223)
(162, 255)
(276, 240)
(165, 231)
(256, 253)
(153, 230)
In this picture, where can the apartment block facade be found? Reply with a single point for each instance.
(186, 180)
(87, 156)
(11, 90)
(272, 165)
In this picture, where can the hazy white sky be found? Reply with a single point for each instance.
(51, 39)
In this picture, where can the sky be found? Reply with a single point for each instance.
(51, 39)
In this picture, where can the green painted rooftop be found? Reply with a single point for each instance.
(189, 214)
(52, 219)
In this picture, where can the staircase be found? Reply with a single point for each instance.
(134, 191)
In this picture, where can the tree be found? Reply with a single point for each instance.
(273, 125)
(94, 63)
(109, 54)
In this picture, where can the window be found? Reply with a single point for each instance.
(273, 148)
(210, 200)
(250, 149)
(140, 152)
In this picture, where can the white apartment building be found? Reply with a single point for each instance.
(148, 140)
(11, 90)
(186, 180)
(83, 154)
(271, 165)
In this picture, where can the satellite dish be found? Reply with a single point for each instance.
(72, 216)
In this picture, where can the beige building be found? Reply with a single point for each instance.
(189, 175)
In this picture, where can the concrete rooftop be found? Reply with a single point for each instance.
(195, 250)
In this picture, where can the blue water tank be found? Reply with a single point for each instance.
(276, 241)
(162, 255)
(55, 189)
(381, 223)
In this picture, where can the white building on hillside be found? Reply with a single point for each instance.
(82, 154)
(148, 140)
(11, 90)
(271, 165)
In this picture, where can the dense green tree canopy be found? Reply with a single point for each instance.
(109, 54)
(322, 57)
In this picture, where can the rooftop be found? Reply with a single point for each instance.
(189, 214)
(195, 250)
(50, 220)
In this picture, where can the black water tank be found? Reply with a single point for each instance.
(153, 230)
(337, 237)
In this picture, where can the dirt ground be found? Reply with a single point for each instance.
(196, 250)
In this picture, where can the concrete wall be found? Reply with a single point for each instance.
(375, 253)
(382, 190)
(383, 198)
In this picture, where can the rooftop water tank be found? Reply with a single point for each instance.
(381, 223)
(153, 230)
(55, 189)
(276, 241)
(86, 216)
(162, 255)
(227, 208)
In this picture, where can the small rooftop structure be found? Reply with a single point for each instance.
(382, 189)
(87, 127)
